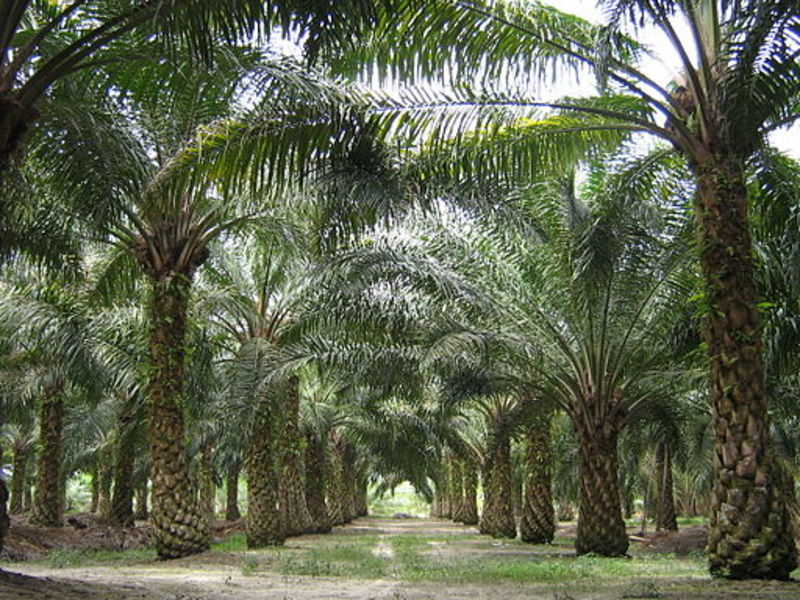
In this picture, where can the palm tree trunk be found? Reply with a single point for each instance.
(142, 511)
(124, 460)
(47, 501)
(566, 511)
(207, 487)
(315, 483)
(470, 501)
(95, 501)
(666, 519)
(232, 493)
(105, 478)
(349, 484)
(537, 525)
(179, 526)
(749, 527)
(601, 529)
(362, 505)
(497, 519)
(335, 479)
(456, 490)
(294, 512)
(443, 494)
(18, 481)
(264, 527)
(4, 520)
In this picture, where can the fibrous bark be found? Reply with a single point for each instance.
(292, 500)
(349, 483)
(315, 483)
(48, 504)
(666, 519)
(362, 506)
(4, 520)
(456, 490)
(124, 458)
(335, 481)
(142, 512)
(498, 511)
(105, 479)
(207, 487)
(264, 526)
(601, 529)
(19, 481)
(750, 535)
(470, 501)
(180, 528)
(232, 512)
(537, 525)
(442, 499)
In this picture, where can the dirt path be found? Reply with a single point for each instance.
(394, 559)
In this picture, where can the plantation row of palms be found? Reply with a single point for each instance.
(248, 262)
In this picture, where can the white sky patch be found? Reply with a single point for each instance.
(664, 69)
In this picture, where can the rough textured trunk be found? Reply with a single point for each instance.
(105, 479)
(124, 460)
(95, 501)
(315, 483)
(264, 526)
(362, 505)
(537, 523)
(566, 511)
(349, 484)
(292, 501)
(665, 503)
(27, 499)
(470, 500)
(232, 493)
(335, 480)
(179, 526)
(207, 488)
(749, 527)
(19, 482)
(443, 505)
(142, 511)
(601, 529)
(4, 520)
(47, 502)
(264, 520)
(498, 511)
(456, 490)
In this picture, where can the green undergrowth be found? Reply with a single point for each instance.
(457, 559)
(70, 558)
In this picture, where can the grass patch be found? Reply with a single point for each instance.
(338, 560)
(233, 543)
(691, 521)
(549, 570)
(70, 558)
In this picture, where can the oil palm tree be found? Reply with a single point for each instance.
(581, 317)
(44, 43)
(196, 164)
(47, 322)
(738, 82)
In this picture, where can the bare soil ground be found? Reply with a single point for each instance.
(251, 575)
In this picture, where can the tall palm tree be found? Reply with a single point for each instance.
(190, 169)
(738, 82)
(581, 316)
(48, 324)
